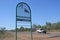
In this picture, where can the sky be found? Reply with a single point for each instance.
(42, 11)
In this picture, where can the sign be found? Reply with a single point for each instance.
(23, 12)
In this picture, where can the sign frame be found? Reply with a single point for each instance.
(24, 19)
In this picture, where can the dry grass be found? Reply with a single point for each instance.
(26, 36)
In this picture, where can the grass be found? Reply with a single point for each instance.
(5, 35)
(24, 36)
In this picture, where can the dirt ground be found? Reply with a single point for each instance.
(36, 36)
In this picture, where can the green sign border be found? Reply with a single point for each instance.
(30, 18)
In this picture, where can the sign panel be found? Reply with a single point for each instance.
(23, 12)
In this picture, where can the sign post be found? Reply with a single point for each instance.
(23, 13)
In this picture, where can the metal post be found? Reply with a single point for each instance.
(16, 23)
(31, 31)
(31, 26)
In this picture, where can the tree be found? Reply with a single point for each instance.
(39, 26)
(2, 30)
(21, 28)
(48, 26)
(34, 26)
(56, 26)
(2, 33)
(43, 27)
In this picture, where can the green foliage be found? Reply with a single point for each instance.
(2, 30)
(53, 26)
(56, 26)
(49, 26)
(36, 26)
(21, 28)
(2, 33)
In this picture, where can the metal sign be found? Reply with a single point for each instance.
(23, 13)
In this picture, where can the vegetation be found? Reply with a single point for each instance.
(49, 27)
(52, 26)
(2, 33)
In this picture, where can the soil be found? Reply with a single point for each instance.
(35, 36)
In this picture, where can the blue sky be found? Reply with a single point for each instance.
(42, 11)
